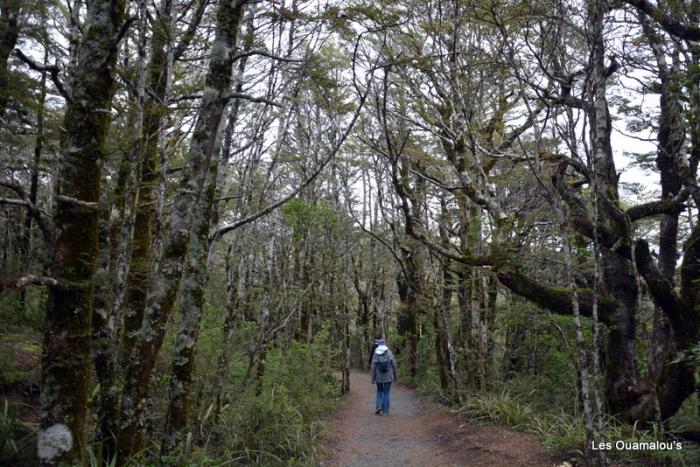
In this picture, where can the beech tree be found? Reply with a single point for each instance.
(194, 193)
(66, 350)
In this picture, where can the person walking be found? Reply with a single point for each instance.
(383, 374)
(377, 342)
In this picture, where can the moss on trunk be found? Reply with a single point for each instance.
(141, 268)
(9, 32)
(66, 353)
(192, 306)
(161, 298)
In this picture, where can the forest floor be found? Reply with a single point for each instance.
(419, 433)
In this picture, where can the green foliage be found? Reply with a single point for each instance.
(539, 363)
(17, 438)
(498, 407)
(282, 424)
(690, 355)
(33, 313)
(10, 371)
(427, 379)
(19, 357)
(325, 72)
(356, 351)
(303, 217)
(565, 433)
(688, 416)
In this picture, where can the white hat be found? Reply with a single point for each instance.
(381, 349)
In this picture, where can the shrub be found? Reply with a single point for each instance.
(282, 424)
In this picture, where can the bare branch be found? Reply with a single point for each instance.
(259, 100)
(53, 71)
(226, 198)
(264, 53)
(331, 154)
(233, 95)
(485, 261)
(380, 240)
(667, 22)
(187, 36)
(30, 279)
(13, 201)
(78, 202)
(662, 206)
(35, 212)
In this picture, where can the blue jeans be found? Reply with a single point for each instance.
(383, 396)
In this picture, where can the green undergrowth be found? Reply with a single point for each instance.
(278, 422)
(20, 355)
(531, 386)
(565, 433)
(17, 437)
(30, 315)
(283, 422)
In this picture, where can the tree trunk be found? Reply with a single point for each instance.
(26, 240)
(260, 354)
(235, 278)
(192, 306)
(441, 312)
(102, 350)
(160, 301)
(115, 232)
(141, 266)
(619, 276)
(590, 455)
(671, 135)
(66, 351)
(9, 32)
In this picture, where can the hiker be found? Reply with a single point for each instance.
(383, 374)
(377, 343)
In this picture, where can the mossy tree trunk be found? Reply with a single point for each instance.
(161, 298)
(669, 159)
(442, 311)
(626, 397)
(192, 304)
(141, 266)
(235, 279)
(412, 255)
(259, 352)
(619, 275)
(115, 236)
(66, 359)
(9, 33)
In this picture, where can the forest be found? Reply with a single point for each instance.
(210, 209)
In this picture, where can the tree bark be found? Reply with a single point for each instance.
(619, 276)
(160, 300)
(66, 351)
(192, 305)
(235, 276)
(26, 240)
(440, 314)
(141, 265)
(9, 33)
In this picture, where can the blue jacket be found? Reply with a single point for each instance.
(378, 376)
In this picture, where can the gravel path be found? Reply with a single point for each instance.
(419, 434)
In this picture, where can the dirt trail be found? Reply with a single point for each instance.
(417, 433)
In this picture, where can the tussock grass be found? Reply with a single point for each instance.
(565, 433)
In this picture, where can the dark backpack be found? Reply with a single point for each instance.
(383, 367)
